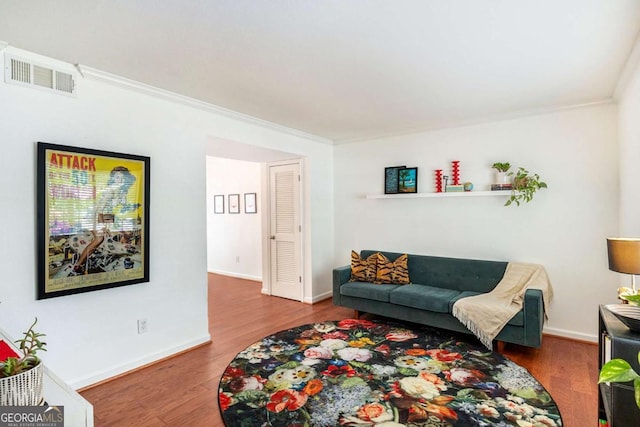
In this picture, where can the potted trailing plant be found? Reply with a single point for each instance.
(21, 376)
(620, 371)
(525, 184)
(502, 168)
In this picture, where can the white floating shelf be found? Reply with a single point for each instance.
(450, 194)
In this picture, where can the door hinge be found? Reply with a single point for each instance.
(299, 229)
(299, 178)
(300, 279)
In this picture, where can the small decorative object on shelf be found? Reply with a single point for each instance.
(391, 179)
(438, 180)
(445, 182)
(408, 180)
(501, 177)
(455, 172)
(522, 184)
(468, 186)
(454, 188)
(525, 185)
(501, 187)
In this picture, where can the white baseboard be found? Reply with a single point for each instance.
(237, 275)
(570, 334)
(129, 366)
(319, 298)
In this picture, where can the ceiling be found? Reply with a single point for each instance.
(346, 70)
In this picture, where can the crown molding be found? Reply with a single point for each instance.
(122, 82)
(477, 121)
(628, 71)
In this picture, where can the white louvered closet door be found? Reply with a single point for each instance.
(285, 232)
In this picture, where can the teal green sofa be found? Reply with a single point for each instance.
(436, 284)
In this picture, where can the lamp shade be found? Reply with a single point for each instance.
(624, 255)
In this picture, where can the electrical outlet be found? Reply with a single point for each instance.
(142, 326)
(238, 258)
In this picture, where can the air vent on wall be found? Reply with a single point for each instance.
(26, 73)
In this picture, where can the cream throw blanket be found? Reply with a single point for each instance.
(485, 315)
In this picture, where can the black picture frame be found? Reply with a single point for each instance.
(250, 206)
(391, 179)
(234, 203)
(92, 219)
(218, 204)
(408, 180)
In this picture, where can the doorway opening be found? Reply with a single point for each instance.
(245, 234)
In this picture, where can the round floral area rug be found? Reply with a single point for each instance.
(366, 373)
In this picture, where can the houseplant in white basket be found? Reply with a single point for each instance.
(21, 376)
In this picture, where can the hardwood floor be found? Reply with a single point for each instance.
(182, 391)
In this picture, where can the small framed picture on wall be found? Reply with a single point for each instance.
(218, 204)
(250, 203)
(391, 179)
(234, 203)
(408, 180)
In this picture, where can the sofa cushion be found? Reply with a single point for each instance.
(461, 295)
(396, 272)
(423, 297)
(367, 290)
(363, 269)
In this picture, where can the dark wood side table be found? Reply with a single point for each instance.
(615, 400)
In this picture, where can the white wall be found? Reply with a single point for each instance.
(629, 129)
(564, 228)
(93, 336)
(234, 244)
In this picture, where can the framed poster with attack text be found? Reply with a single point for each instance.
(93, 219)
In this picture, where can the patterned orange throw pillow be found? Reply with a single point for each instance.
(392, 272)
(363, 270)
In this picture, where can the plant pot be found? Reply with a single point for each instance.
(24, 389)
(502, 178)
(520, 183)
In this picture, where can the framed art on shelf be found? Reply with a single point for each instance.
(250, 203)
(93, 219)
(218, 204)
(391, 179)
(408, 180)
(234, 203)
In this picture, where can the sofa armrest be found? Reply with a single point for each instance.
(533, 317)
(340, 275)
